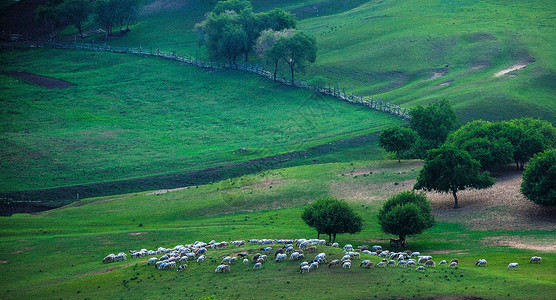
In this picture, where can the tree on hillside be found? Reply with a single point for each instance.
(449, 169)
(297, 50)
(264, 46)
(407, 213)
(433, 124)
(539, 179)
(76, 12)
(525, 143)
(332, 216)
(491, 154)
(105, 12)
(49, 14)
(126, 12)
(397, 140)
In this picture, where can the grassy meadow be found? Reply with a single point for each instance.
(410, 52)
(131, 117)
(58, 253)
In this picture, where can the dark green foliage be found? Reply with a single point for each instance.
(449, 169)
(332, 216)
(76, 12)
(296, 50)
(397, 140)
(539, 179)
(232, 28)
(115, 12)
(407, 213)
(525, 136)
(433, 124)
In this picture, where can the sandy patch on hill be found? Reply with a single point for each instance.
(136, 233)
(167, 191)
(538, 244)
(501, 207)
(515, 67)
(4, 261)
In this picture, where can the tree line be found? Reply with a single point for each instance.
(55, 14)
(456, 159)
(232, 31)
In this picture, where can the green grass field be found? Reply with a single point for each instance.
(131, 117)
(408, 52)
(58, 254)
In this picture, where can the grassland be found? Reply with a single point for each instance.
(131, 117)
(57, 254)
(409, 52)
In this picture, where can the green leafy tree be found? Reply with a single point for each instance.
(105, 11)
(331, 216)
(433, 124)
(407, 213)
(491, 154)
(297, 50)
(76, 12)
(397, 140)
(125, 12)
(539, 179)
(265, 46)
(449, 169)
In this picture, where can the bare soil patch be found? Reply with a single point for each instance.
(167, 191)
(445, 83)
(4, 261)
(501, 207)
(44, 81)
(515, 67)
(22, 250)
(537, 244)
(136, 233)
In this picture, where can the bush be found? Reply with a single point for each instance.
(539, 179)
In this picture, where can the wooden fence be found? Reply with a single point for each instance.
(331, 90)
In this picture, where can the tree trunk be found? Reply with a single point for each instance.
(329, 237)
(275, 68)
(318, 235)
(401, 241)
(399, 155)
(291, 70)
(334, 240)
(455, 198)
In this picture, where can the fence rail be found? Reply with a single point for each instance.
(334, 91)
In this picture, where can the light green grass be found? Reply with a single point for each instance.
(131, 117)
(393, 48)
(58, 254)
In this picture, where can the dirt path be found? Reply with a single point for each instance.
(44, 81)
(515, 67)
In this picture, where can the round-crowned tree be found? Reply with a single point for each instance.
(397, 140)
(331, 216)
(539, 179)
(407, 213)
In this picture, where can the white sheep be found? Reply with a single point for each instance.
(420, 268)
(364, 262)
(152, 260)
(453, 264)
(245, 261)
(257, 266)
(481, 262)
(512, 266)
(535, 259)
(346, 265)
(294, 256)
(314, 265)
(304, 269)
(335, 245)
(442, 262)
(201, 258)
(348, 247)
(381, 264)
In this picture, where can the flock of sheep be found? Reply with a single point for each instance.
(177, 256)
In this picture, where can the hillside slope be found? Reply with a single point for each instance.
(412, 52)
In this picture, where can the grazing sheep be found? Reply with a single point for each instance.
(201, 258)
(243, 254)
(109, 259)
(294, 256)
(369, 265)
(152, 260)
(255, 257)
(381, 264)
(314, 265)
(233, 260)
(335, 245)
(304, 269)
(455, 260)
(245, 261)
(392, 263)
(375, 248)
(415, 254)
(321, 258)
(367, 252)
(422, 260)
(257, 266)
(512, 266)
(348, 247)
(346, 265)
(364, 263)
(281, 257)
(346, 257)
(312, 249)
(363, 247)
(430, 263)
(410, 263)
(420, 268)
(453, 264)
(226, 260)
(335, 262)
(535, 259)
(182, 267)
(266, 249)
(481, 262)
(402, 263)
(442, 262)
